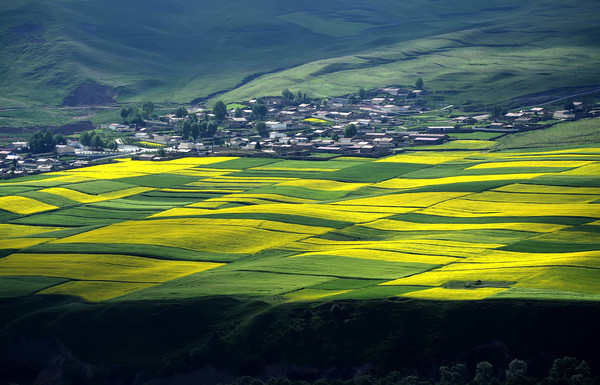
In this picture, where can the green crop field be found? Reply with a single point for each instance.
(434, 225)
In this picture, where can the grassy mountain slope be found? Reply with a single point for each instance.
(183, 50)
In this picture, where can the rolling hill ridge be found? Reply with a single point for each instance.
(184, 50)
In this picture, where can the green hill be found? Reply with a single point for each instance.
(182, 50)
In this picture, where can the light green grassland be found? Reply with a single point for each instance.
(473, 54)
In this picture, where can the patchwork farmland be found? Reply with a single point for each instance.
(439, 225)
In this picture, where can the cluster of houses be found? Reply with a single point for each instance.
(389, 120)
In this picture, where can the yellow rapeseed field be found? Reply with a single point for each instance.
(23, 205)
(91, 198)
(530, 163)
(398, 183)
(588, 170)
(308, 210)
(94, 291)
(396, 225)
(503, 196)
(15, 231)
(439, 277)
(440, 293)
(424, 199)
(544, 189)
(472, 208)
(96, 267)
(202, 234)
(384, 255)
(263, 197)
(22, 243)
(324, 185)
(428, 157)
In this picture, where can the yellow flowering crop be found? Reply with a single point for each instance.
(530, 163)
(544, 189)
(202, 234)
(94, 291)
(443, 294)
(325, 185)
(95, 267)
(439, 277)
(470, 208)
(501, 196)
(385, 255)
(21, 243)
(15, 231)
(427, 157)
(587, 170)
(23, 205)
(412, 183)
(91, 198)
(396, 225)
(261, 197)
(424, 199)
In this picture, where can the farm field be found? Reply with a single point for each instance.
(430, 225)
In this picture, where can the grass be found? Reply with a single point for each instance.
(462, 55)
(582, 132)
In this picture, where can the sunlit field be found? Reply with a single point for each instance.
(430, 225)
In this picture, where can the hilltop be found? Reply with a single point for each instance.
(95, 52)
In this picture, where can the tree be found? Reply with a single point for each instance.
(288, 95)
(181, 112)
(211, 129)
(42, 141)
(484, 374)
(161, 152)
(419, 84)
(60, 139)
(335, 137)
(262, 129)
(97, 142)
(362, 93)
(259, 111)
(453, 375)
(350, 131)
(516, 374)
(148, 109)
(195, 130)
(258, 146)
(85, 138)
(220, 111)
(238, 113)
(186, 129)
(497, 112)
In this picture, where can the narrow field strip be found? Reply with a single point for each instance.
(403, 183)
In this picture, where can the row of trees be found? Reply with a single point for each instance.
(564, 371)
(44, 141)
(93, 140)
(136, 114)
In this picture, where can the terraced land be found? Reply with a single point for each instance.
(433, 225)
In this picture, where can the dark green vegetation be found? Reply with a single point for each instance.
(364, 340)
(94, 52)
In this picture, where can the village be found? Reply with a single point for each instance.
(372, 123)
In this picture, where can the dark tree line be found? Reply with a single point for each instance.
(194, 129)
(136, 114)
(294, 99)
(564, 371)
(43, 141)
